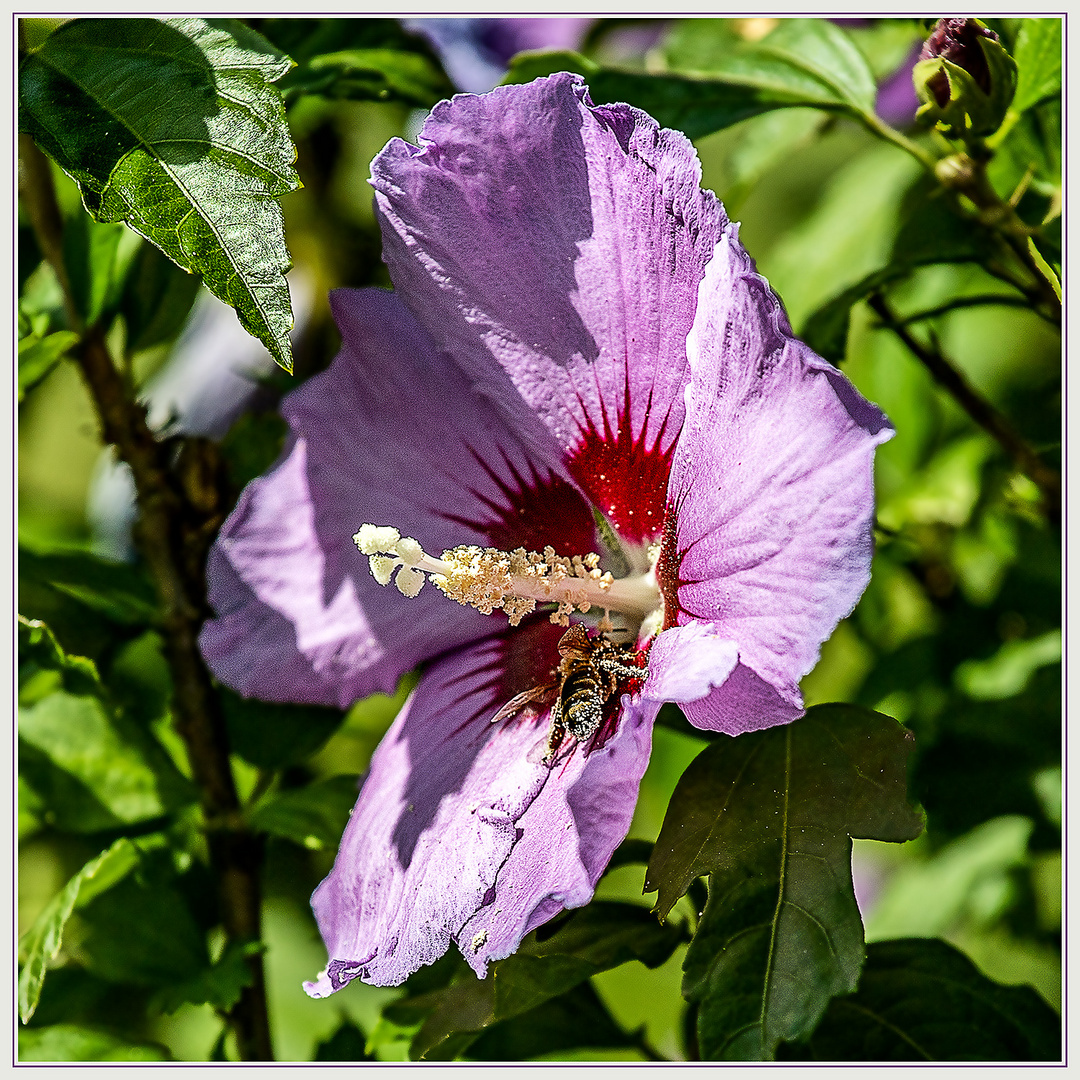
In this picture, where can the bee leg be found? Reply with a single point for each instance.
(555, 736)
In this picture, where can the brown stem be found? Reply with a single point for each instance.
(173, 532)
(978, 408)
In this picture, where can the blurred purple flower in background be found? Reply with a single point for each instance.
(579, 355)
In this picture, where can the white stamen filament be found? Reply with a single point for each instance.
(515, 581)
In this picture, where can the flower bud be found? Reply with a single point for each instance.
(964, 78)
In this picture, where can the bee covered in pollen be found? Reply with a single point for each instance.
(590, 671)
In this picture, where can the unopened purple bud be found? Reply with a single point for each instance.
(957, 40)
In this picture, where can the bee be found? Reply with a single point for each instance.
(589, 672)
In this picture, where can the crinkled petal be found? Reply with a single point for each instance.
(389, 434)
(567, 241)
(462, 831)
(771, 495)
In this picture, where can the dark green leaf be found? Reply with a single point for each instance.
(922, 1000)
(769, 817)
(172, 126)
(550, 962)
(69, 1042)
(145, 932)
(157, 299)
(43, 940)
(219, 985)
(39, 651)
(574, 1020)
(359, 59)
(348, 1043)
(271, 735)
(117, 590)
(314, 816)
(252, 445)
(1038, 56)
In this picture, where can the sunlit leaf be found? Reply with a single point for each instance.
(172, 127)
(42, 941)
(70, 1042)
(39, 354)
(40, 651)
(219, 985)
(804, 62)
(1038, 57)
(769, 817)
(95, 768)
(922, 1000)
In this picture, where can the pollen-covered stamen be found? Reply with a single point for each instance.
(514, 581)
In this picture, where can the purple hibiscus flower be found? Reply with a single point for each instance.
(581, 392)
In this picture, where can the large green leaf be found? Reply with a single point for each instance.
(769, 817)
(804, 62)
(70, 1042)
(1038, 57)
(548, 964)
(922, 1000)
(43, 940)
(172, 126)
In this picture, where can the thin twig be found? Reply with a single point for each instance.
(981, 300)
(171, 534)
(978, 408)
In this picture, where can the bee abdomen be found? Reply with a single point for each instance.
(581, 704)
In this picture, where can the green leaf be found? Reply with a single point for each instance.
(172, 127)
(70, 1042)
(348, 1043)
(146, 931)
(157, 299)
(1038, 56)
(575, 1020)
(271, 735)
(42, 941)
(219, 985)
(116, 590)
(358, 59)
(922, 1000)
(769, 817)
(40, 651)
(95, 768)
(550, 962)
(252, 445)
(39, 353)
(98, 257)
(313, 817)
(804, 62)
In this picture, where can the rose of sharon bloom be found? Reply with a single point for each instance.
(579, 357)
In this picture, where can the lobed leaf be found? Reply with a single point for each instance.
(41, 943)
(769, 817)
(922, 1000)
(172, 127)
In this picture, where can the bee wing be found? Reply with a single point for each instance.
(540, 695)
(575, 643)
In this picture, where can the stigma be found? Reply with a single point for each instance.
(512, 581)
